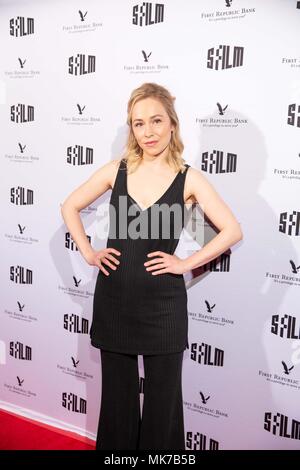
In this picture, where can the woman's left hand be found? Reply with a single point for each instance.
(166, 263)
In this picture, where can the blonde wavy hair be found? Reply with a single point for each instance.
(133, 152)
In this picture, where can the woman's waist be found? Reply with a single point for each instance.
(140, 247)
(132, 274)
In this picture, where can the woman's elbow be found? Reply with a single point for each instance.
(234, 232)
(62, 207)
(65, 207)
(238, 233)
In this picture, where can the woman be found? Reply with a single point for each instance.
(140, 299)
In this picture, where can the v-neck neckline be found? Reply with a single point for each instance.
(158, 200)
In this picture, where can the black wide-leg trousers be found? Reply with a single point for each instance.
(121, 425)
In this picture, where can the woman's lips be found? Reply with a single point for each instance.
(150, 144)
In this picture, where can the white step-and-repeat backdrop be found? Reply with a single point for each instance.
(67, 71)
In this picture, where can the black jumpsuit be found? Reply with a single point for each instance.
(137, 313)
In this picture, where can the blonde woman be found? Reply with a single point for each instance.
(140, 299)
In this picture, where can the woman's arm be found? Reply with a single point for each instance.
(219, 214)
(88, 192)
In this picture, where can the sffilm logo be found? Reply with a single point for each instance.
(199, 441)
(78, 156)
(294, 115)
(20, 275)
(285, 326)
(82, 64)
(21, 196)
(21, 26)
(20, 113)
(72, 402)
(289, 223)
(216, 162)
(19, 351)
(221, 55)
(147, 13)
(281, 425)
(75, 324)
(207, 355)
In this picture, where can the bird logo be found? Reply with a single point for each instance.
(82, 16)
(74, 362)
(22, 148)
(209, 308)
(76, 282)
(221, 110)
(80, 109)
(21, 63)
(294, 267)
(20, 382)
(286, 369)
(204, 400)
(146, 57)
(21, 229)
(20, 306)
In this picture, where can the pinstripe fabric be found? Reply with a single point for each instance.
(133, 311)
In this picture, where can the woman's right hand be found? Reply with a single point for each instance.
(105, 256)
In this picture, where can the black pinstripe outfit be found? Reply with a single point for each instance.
(137, 313)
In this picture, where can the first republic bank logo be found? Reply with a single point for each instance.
(147, 13)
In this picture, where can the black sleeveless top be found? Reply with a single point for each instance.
(135, 312)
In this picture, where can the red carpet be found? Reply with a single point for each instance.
(19, 433)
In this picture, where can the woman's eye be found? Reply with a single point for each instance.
(138, 124)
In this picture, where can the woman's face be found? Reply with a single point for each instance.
(151, 126)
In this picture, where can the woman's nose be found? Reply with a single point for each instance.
(148, 129)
